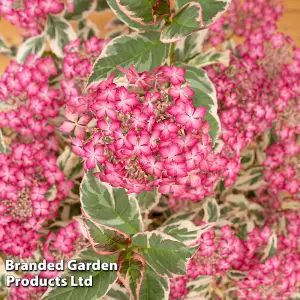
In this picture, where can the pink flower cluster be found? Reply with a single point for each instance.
(259, 86)
(26, 293)
(63, 244)
(29, 172)
(220, 251)
(77, 67)
(245, 17)
(281, 168)
(67, 242)
(148, 134)
(26, 175)
(29, 98)
(277, 277)
(30, 16)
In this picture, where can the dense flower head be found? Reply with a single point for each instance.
(257, 88)
(77, 66)
(29, 101)
(221, 251)
(30, 16)
(245, 17)
(28, 176)
(148, 134)
(277, 277)
(64, 244)
(26, 293)
(282, 168)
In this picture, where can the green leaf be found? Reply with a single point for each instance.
(82, 8)
(117, 292)
(211, 210)
(190, 46)
(205, 96)
(185, 22)
(200, 284)
(251, 179)
(154, 286)
(105, 240)
(120, 14)
(211, 57)
(102, 280)
(164, 254)
(190, 215)
(87, 29)
(248, 158)
(185, 231)
(101, 5)
(236, 275)
(51, 193)
(59, 32)
(4, 49)
(131, 273)
(148, 200)
(161, 9)
(2, 144)
(238, 200)
(211, 9)
(108, 206)
(143, 50)
(139, 11)
(34, 45)
(271, 248)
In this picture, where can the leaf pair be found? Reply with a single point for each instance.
(188, 18)
(114, 225)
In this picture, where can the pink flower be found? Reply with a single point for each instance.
(192, 117)
(75, 122)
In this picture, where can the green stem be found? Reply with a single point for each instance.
(172, 54)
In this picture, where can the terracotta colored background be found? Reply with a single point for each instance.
(289, 24)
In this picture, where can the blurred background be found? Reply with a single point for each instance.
(288, 24)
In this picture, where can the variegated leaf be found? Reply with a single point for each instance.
(117, 292)
(251, 179)
(199, 285)
(59, 32)
(148, 200)
(108, 206)
(131, 273)
(188, 47)
(143, 50)
(161, 9)
(185, 215)
(164, 254)
(211, 57)
(211, 210)
(186, 231)
(105, 240)
(154, 286)
(82, 8)
(271, 248)
(185, 22)
(211, 9)
(129, 22)
(102, 280)
(87, 29)
(2, 143)
(4, 48)
(205, 96)
(34, 45)
(139, 11)
(248, 158)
